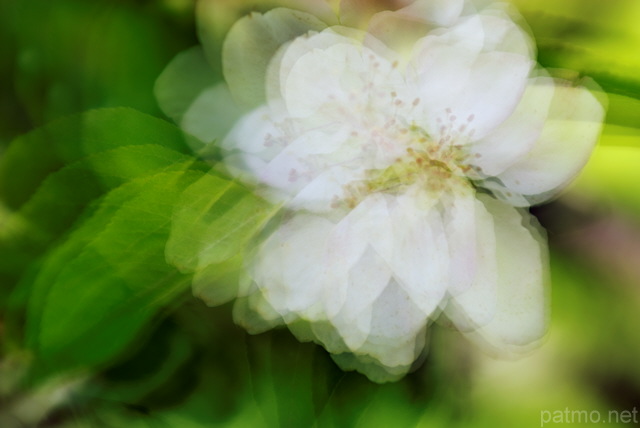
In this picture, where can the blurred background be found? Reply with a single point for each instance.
(175, 362)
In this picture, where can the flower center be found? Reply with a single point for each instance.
(434, 165)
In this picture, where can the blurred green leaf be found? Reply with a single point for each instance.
(213, 221)
(282, 380)
(33, 156)
(213, 224)
(49, 177)
(159, 364)
(107, 278)
(113, 178)
(94, 292)
(65, 194)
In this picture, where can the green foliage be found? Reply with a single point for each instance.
(108, 218)
(73, 55)
(94, 292)
(213, 221)
(49, 176)
(86, 226)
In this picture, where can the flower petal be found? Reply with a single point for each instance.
(396, 322)
(460, 88)
(565, 144)
(367, 280)
(491, 30)
(216, 17)
(326, 191)
(469, 231)
(356, 13)
(473, 302)
(251, 44)
(521, 312)
(182, 81)
(285, 58)
(212, 114)
(442, 13)
(419, 255)
(366, 226)
(256, 133)
(346, 76)
(397, 337)
(515, 137)
(290, 266)
(400, 29)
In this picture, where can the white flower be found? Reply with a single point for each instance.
(400, 163)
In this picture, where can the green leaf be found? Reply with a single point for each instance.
(213, 221)
(94, 292)
(33, 156)
(64, 194)
(282, 374)
(103, 186)
(49, 177)
(158, 365)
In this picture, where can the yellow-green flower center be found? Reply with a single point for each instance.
(432, 165)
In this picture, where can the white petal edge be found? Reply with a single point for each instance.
(516, 136)
(522, 310)
(252, 43)
(477, 90)
(569, 135)
(475, 305)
